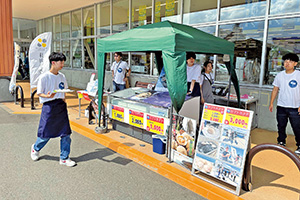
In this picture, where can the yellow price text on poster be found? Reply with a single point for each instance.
(237, 118)
(118, 113)
(136, 118)
(213, 113)
(155, 124)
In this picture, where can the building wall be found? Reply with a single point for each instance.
(6, 38)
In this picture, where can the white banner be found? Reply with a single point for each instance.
(39, 52)
(12, 84)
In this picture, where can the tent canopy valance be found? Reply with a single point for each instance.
(169, 41)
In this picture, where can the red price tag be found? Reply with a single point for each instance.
(155, 124)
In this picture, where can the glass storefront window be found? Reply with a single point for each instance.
(76, 23)
(195, 12)
(284, 6)
(76, 53)
(89, 53)
(208, 29)
(66, 51)
(56, 46)
(48, 24)
(167, 10)
(88, 21)
(141, 12)
(248, 40)
(56, 27)
(120, 10)
(282, 39)
(140, 62)
(26, 27)
(103, 19)
(236, 9)
(40, 26)
(65, 25)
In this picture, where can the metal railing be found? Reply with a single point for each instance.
(247, 184)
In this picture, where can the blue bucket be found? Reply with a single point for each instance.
(159, 144)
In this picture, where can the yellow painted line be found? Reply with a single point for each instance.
(27, 113)
(184, 179)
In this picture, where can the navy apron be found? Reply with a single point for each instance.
(54, 120)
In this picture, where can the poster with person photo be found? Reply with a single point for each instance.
(234, 136)
(227, 173)
(183, 139)
(231, 154)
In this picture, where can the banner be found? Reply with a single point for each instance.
(170, 8)
(39, 52)
(142, 15)
(157, 11)
(12, 84)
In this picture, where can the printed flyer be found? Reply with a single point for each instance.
(222, 144)
(183, 140)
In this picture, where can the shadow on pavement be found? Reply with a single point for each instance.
(97, 154)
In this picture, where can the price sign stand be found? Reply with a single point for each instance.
(222, 146)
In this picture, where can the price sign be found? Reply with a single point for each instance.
(237, 118)
(213, 113)
(117, 113)
(155, 124)
(136, 118)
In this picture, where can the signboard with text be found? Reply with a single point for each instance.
(136, 118)
(222, 145)
(118, 113)
(155, 124)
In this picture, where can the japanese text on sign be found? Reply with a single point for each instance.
(136, 118)
(118, 113)
(155, 124)
(213, 113)
(237, 118)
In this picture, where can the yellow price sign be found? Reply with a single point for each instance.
(136, 118)
(213, 113)
(118, 113)
(155, 124)
(237, 118)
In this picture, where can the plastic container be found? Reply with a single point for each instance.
(159, 144)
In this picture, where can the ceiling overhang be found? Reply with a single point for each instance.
(39, 9)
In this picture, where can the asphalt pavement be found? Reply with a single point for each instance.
(100, 172)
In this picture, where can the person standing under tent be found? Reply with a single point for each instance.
(287, 86)
(193, 72)
(54, 121)
(120, 72)
(206, 81)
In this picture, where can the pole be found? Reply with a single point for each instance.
(170, 134)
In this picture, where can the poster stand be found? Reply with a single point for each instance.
(222, 145)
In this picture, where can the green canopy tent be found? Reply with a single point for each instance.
(170, 42)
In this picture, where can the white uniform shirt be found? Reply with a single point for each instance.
(289, 89)
(193, 73)
(119, 71)
(49, 82)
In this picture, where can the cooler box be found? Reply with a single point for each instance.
(159, 144)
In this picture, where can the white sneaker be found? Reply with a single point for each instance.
(68, 162)
(34, 154)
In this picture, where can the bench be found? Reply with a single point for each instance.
(149, 86)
